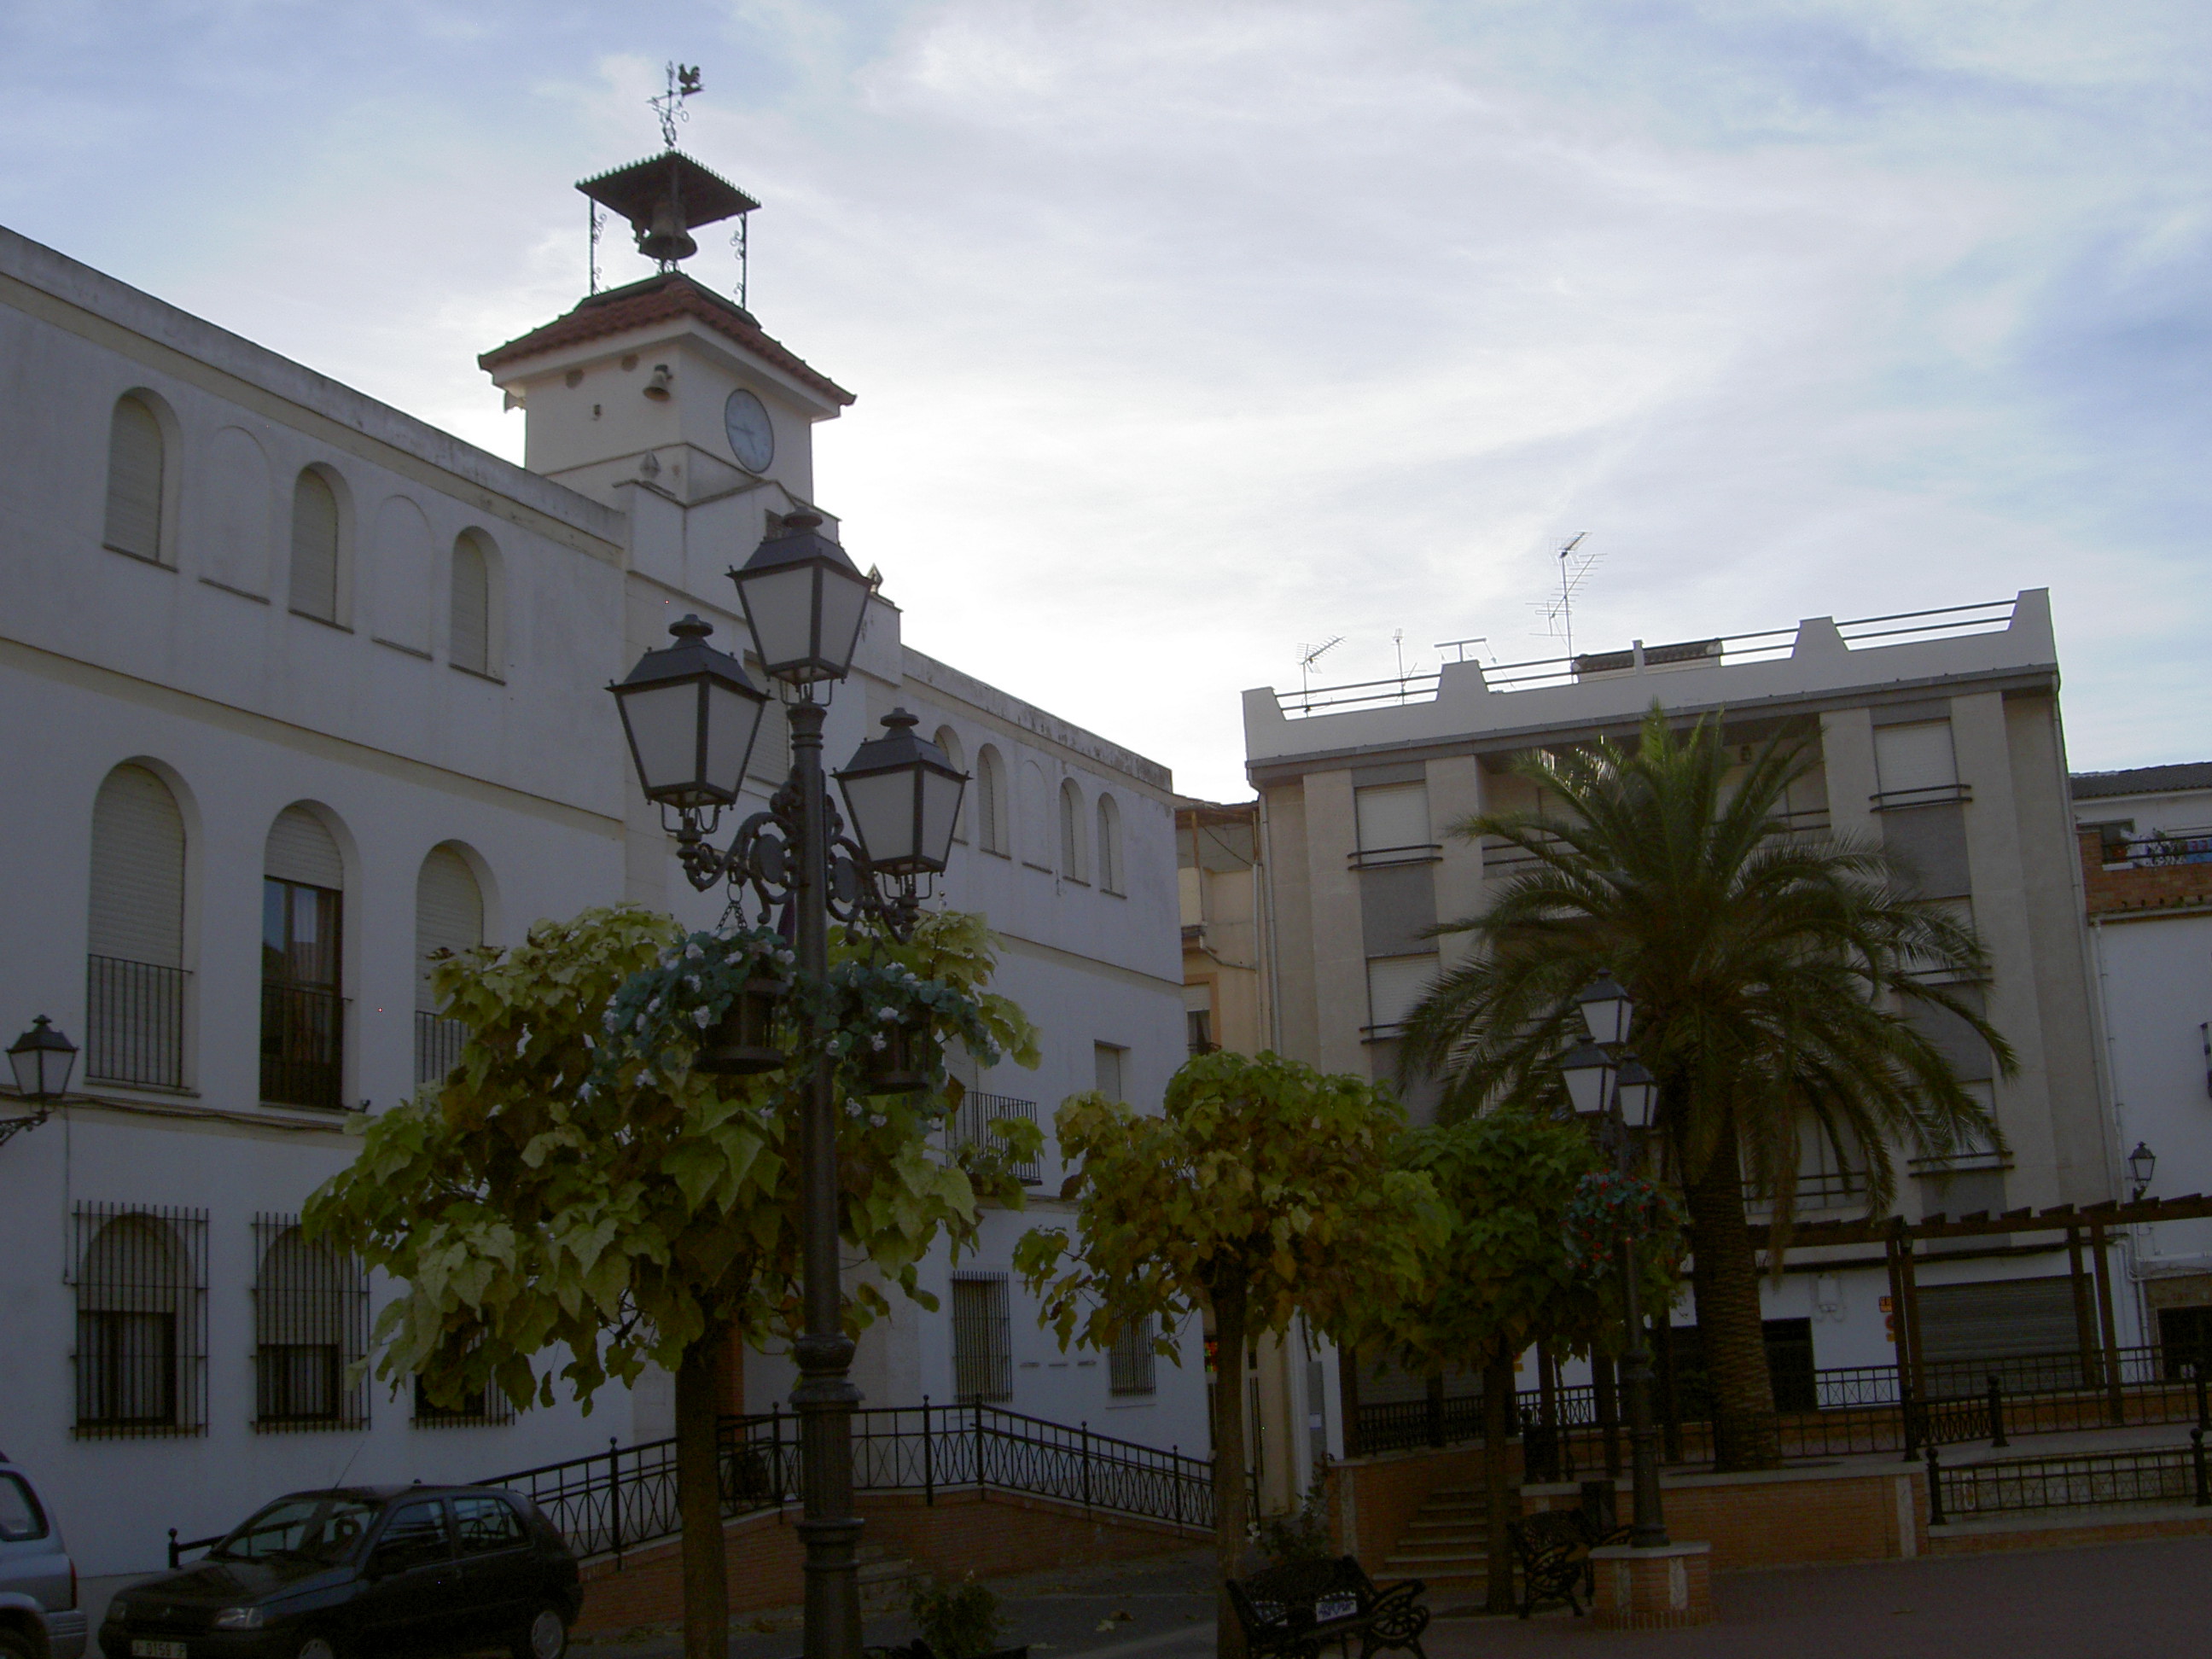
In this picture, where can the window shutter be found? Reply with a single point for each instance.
(1109, 844)
(134, 481)
(448, 916)
(1916, 757)
(314, 548)
(991, 827)
(1394, 984)
(1071, 862)
(472, 627)
(1392, 818)
(138, 871)
(301, 850)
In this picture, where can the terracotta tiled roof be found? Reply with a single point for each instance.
(656, 299)
(2143, 779)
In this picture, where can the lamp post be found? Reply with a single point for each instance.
(41, 1060)
(691, 713)
(1607, 1086)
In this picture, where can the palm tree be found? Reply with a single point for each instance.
(1775, 977)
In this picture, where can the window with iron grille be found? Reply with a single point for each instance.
(982, 1340)
(140, 1274)
(487, 1407)
(310, 1328)
(1129, 1364)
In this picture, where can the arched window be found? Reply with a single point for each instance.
(135, 957)
(135, 466)
(310, 1323)
(991, 801)
(1074, 854)
(1033, 804)
(1110, 875)
(314, 547)
(949, 741)
(140, 1320)
(449, 916)
(470, 646)
(302, 1015)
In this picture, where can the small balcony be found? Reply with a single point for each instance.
(437, 1044)
(971, 1126)
(135, 1011)
(302, 1045)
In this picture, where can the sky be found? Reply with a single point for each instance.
(1189, 335)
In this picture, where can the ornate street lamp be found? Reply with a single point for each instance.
(41, 1060)
(691, 715)
(2143, 1164)
(1610, 1090)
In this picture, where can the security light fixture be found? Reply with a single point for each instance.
(691, 713)
(904, 797)
(804, 601)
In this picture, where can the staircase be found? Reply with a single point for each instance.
(1446, 1544)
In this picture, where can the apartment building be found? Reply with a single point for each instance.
(300, 689)
(1935, 734)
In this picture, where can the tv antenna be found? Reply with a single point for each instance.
(1310, 654)
(683, 80)
(1559, 613)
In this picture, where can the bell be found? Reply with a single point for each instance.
(667, 241)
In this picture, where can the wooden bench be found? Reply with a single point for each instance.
(1293, 1609)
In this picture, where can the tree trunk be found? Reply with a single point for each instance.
(1229, 1519)
(1497, 1413)
(1726, 1276)
(699, 1501)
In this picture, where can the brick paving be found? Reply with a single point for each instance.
(2107, 1602)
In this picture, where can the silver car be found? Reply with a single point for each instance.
(39, 1614)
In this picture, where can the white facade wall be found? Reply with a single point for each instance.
(196, 669)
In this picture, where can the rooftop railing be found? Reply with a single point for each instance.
(1769, 644)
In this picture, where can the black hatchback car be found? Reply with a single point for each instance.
(358, 1572)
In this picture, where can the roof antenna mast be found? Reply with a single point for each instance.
(1307, 656)
(1559, 613)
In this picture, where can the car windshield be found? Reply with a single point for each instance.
(317, 1529)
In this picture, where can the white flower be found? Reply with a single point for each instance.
(886, 1014)
(878, 1120)
(703, 1017)
(879, 1042)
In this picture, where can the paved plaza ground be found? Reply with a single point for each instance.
(2114, 1601)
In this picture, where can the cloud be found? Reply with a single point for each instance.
(1188, 335)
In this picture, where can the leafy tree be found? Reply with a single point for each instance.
(1501, 1277)
(1263, 1188)
(1776, 977)
(577, 1187)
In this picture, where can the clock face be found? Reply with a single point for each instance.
(752, 440)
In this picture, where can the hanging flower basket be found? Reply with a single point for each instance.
(743, 1042)
(718, 1002)
(1610, 1209)
(908, 1060)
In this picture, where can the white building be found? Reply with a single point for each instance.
(2147, 860)
(298, 688)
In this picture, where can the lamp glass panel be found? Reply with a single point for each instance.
(780, 606)
(1607, 1017)
(844, 603)
(882, 804)
(664, 731)
(1639, 1094)
(940, 811)
(28, 1067)
(732, 718)
(1587, 1079)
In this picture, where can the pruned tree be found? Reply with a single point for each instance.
(579, 1199)
(1261, 1189)
(1501, 1276)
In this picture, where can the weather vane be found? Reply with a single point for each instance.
(682, 82)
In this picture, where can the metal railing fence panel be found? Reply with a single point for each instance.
(135, 1020)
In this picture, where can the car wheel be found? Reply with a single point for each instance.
(316, 1647)
(14, 1646)
(545, 1636)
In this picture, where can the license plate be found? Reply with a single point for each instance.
(144, 1650)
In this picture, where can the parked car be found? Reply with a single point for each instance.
(358, 1572)
(39, 1614)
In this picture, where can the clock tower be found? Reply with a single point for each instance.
(666, 386)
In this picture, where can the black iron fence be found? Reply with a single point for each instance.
(625, 1496)
(135, 1015)
(2162, 1474)
(1854, 1408)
